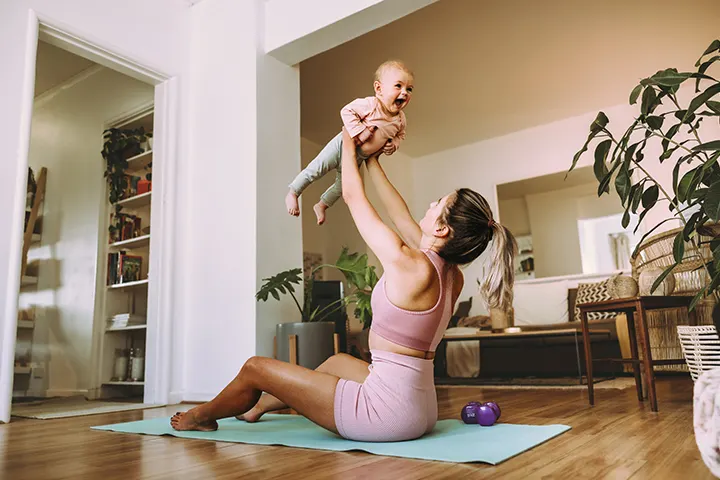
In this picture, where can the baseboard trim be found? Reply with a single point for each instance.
(191, 397)
(62, 392)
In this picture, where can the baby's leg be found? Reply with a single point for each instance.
(328, 159)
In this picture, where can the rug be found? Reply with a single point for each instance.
(450, 441)
(63, 407)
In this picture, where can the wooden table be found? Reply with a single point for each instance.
(541, 334)
(634, 306)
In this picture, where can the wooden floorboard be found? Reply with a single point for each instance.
(618, 438)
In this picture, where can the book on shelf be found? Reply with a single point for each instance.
(124, 226)
(123, 268)
(122, 320)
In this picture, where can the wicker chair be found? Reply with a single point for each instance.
(657, 252)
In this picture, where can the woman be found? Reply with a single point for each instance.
(393, 398)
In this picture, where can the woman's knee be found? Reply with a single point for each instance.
(252, 365)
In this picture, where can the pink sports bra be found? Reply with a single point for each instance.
(418, 330)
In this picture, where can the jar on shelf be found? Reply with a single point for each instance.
(121, 365)
(136, 372)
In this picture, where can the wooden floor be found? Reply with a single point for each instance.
(618, 438)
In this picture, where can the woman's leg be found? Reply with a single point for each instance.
(340, 365)
(310, 393)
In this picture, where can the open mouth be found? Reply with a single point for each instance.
(399, 102)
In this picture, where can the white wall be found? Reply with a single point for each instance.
(482, 166)
(66, 138)
(153, 33)
(279, 244)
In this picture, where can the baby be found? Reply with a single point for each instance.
(375, 124)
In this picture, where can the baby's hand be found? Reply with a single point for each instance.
(389, 147)
(365, 135)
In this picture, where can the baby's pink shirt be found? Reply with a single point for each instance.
(366, 112)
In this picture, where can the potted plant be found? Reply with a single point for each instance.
(315, 334)
(121, 144)
(694, 198)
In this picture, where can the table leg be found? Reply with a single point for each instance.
(634, 354)
(588, 356)
(577, 357)
(647, 356)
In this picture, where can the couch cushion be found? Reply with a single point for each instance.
(593, 292)
(541, 303)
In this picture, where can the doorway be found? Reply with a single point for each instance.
(61, 340)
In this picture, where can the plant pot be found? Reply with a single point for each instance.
(314, 342)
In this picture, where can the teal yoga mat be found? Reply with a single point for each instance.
(450, 441)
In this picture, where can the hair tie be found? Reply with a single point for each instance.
(491, 223)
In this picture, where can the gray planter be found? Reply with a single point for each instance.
(314, 342)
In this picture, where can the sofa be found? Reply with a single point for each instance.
(548, 304)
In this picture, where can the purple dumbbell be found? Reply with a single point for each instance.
(485, 415)
(495, 407)
(469, 413)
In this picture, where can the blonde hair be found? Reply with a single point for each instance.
(470, 219)
(389, 64)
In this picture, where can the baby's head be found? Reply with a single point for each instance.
(393, 85)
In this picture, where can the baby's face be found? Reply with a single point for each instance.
(394, 89)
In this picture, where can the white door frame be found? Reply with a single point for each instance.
(165, 150)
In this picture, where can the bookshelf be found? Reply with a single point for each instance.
(122, 319)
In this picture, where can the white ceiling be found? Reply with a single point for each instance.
(491, 67)
(55, 66)
(546, 183)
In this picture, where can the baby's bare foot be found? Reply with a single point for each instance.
(319, 209)
(187, 421)
(291, 202)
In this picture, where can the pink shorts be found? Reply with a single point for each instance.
(396, 402)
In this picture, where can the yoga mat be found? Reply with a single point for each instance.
(450, 441)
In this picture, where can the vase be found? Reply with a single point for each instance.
(315, 342)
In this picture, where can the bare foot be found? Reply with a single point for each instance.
(319, 209)
(291, 202)
(187, 421)
(252, 415)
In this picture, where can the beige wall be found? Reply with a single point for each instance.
(554, 224)
(514, 215)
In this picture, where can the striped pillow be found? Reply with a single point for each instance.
(593, 292)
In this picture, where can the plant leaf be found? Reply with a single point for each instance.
(670, 77)
(679, 247)
(698, 101)
(714, 106)
(662, 276)
(636, 193)
(626, 218)
(649, 98)
(655, 122)
(712, 202)
(708, 146)
(601, 153)
(649, 198)
(635, 94)
(684, 187)
(697, 298)
(715, 45)
(622, 184)
(596, 127)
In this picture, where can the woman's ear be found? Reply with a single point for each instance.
(441, 230)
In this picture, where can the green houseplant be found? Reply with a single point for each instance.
(694, 198)
(360, 276)
(314, 335)
(120, 144)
